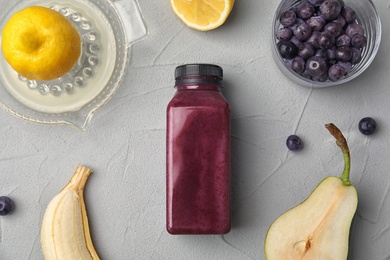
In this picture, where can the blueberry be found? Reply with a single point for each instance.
(348, 14)
(334, 28)
(344, 53)
(293, 8)
(316, 2)
(314, 39)
(331, 63)
(298, 64)
(305, 50)
(326, 40)
(356, 55)
(330, 9)
(316, 23)
(287, 18)
(305, 10)
(306, 74)
(287, 49)
(367, 125)
(354, 29)
(284, 34)
(340, 20)
(316, 66)
(359, 41)
(294, 143)
(331, 53)
(295, 41)
(343, 40)
(322, 78)
(302, 32)
(6, 205)
(342, 4)
(337, 72)
(322, 53)
(346, 65)
(298, 21)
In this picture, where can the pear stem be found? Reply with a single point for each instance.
(342, 143)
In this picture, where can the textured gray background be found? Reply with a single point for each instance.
(125, 146)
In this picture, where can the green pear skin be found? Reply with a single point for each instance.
(319, 227)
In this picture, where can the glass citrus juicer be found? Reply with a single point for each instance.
(107, 29)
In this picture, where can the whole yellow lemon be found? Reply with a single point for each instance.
(40, 43)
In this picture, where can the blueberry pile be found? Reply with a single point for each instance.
(320, 39)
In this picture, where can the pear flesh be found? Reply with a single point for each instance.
(319, 227)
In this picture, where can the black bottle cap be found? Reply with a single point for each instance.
(199, 70)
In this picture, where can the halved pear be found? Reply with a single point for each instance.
(318, 228)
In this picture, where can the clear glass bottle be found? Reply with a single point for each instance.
(198, 153)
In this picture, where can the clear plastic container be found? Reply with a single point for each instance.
(107, 30)
(367, 16)
(198, 153)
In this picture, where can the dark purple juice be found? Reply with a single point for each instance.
(198, 156)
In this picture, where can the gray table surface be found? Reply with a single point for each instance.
(125, 146)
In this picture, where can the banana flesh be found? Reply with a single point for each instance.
(65, 231)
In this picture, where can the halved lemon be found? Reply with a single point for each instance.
(40, 43)
(202, 15)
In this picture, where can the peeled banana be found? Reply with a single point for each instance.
(65, 231)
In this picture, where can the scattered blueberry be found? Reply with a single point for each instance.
(288, 18)
(367, 125)
(287, 49)
(294, 143)
(6, 205)
(330, 9)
